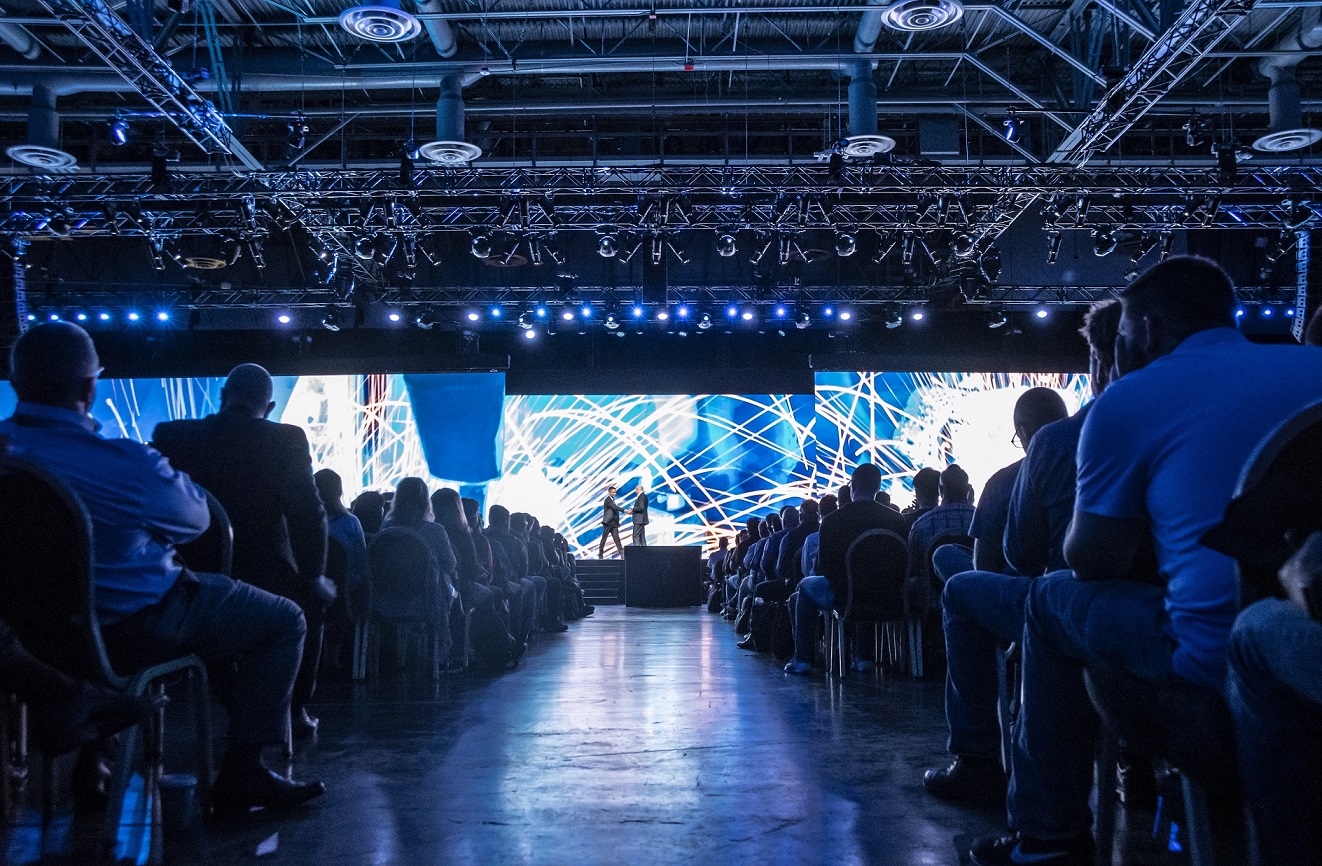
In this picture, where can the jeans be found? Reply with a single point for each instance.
(981, 612)
(813, 596)
(1275, 694)
(1068, 625)
(949, 560)
(225, 622)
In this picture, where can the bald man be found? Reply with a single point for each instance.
(150, 608)
(261, 472)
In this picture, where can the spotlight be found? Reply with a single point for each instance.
(963, 244)
(298, 133)
(255, 252)
(134, 317)
(54, 317)
(997, 319)
(567, 315)
(157, 249)
(802, 321)
(331, 320)
(481, 246)
(105, 317)
(760, 253)
(704, 321)
(362, 248)
(585, 311)
(746, 315)
(1146, 243)
(907, 248)
(663, 315)
(1042, 312)
(637, 312)
(828, 312)
(607, 247)
(917, 315)
(233, 252)
(611, 322)
(1011, 124)
(781, 312)
(845, 244)
(990, 264)
(394, 316)
(541, 312)
(893, 319)
(473, 316)
(682, 311)
(119, 132)
(525, 321)
(1103, 242)
(726, 246)
(284, 318)
(82, 317)
(732, 311)
(845, 315)
(162, 316)
(425, 319)
(1196, 130)
(1239, 314)
(529, 335)
(1266, 312)
(495, 313)
(1167, 242)
(943, 203)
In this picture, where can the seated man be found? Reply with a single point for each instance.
(151, 609)
(1160, 452)
(1035, 409)
(790, 560)
(983, 610)
(1275, 692)
(926, 494)
(951, 517)
(812, 544)
(771, 587)
(820, 593)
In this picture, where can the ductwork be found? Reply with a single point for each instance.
(870, 25)
(442, 36)
(1287, 120)
(19, 39)
(863, 140)
(449, 148)
(42, 150)
(862, 100)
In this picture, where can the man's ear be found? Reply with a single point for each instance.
(270, 407)
(89, 393)
(1152, 337)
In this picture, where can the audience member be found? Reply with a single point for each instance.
(152, 609)
(370, 509)
(790, 562)
(983, 610)
(491, 639)
(343, 526)
(926, 493)
(515, 554)
(1161, 451)
(951, 518)
(411, 509)
(261, 472)
(819, 593)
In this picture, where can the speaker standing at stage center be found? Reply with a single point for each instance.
(610, 523)
(639, 514)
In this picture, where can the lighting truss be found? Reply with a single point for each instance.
(111, 39)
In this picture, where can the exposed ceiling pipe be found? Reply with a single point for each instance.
(42, 150)
(1287, 130)
(449, 148)
(442, 36)
(19, 39)
(869, 27)
(862, 100)
(863, 139)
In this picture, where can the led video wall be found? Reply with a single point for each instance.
(709, 462)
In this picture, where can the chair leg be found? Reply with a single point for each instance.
(359, 651)
(198, 685)
(1199, 826)
(1108, 754)
(830, 645)
(842, 646)
(119, 784)
(288, 745)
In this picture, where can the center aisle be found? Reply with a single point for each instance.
(639, 737)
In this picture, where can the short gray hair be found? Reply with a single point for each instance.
(52, 362)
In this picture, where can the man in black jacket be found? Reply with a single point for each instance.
(639, 515)
(839, 530)
(261, 472)
(610, 524)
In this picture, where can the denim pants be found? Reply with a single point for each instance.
(224, 622)
(949, 560)
(1068, 625)
(1275, 694)
(982, 611)
(813, 596)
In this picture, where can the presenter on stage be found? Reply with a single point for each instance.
(639, 515)
(610, 523)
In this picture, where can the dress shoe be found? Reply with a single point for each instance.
(92, 714)
(552, 626)
(303, 724)
(747, 643)
(967, 778)
(1015, 849)
(589, 609)
(797, 667)
(239, 792)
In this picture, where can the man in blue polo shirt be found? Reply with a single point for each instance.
(1160, 453)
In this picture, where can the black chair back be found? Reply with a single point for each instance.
(46, 590)
(404, 575)
(213, 550)
(875, 568)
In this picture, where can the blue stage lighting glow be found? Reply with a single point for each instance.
(495, 312)
(845, 315)
(1042, 313)
(284, 318)
(732, 311)
(663, 315)
(682, 312)
(133, 317)
(746, 315)
(394, 317)
(917, 315)
(585, 311)
(54, 317)
(828, 311)
(105, 317)
(473, 316)
(637, 312)
(567, 315)
(32, 317)
(530, 334)
(162, 316)
(1266, 312)
(541, 312)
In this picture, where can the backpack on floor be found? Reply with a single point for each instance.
(715, 598)
(782, 631)
(759, 624)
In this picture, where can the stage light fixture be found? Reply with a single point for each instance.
(1146, 244)
(362, 248)
(134, 316)
(845, 245)
(1196, 130)
(760, 253)
(82, 317)
(781, 312)
(611, 322)
(1301, 212)
(997, 319)
(1266, 312)
(726, 245)
(162, 316)
(410, 252)
(394, 316)
(255, 252)
(607, 246)
(1081, 205)
(284, 318)
(525, 320)
(157, 249)
(917, 315)
(530, 335)
(567, 315)
(746, 315)
(330, 320)
(473, 316)
(802, 321)
(990, 264)
(828, 312)
(1239, 314)
(892, 319)
(1042, 312)
(845, 315)
(638, 312)
(298, 133)
(495, 312)
(963, 244)
(426, 319)
(54, 317)
(943, 203)
(541, 312)
(119, 132)
(1011, 124)
(104, 317)
(732, 311)
(658, 249)
(1103, 242)
(907, 248)
(886, 243)
(1167, 243)
(480, 246)
(585, 311)
(704, 321)
(663, 315)
(682, 311)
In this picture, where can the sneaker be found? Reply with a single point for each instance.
(1015, 849)
(798, 667)
(967, 778)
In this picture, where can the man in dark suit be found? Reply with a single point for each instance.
(610, 523)
(261, 472)
(839, 530)
(639, 515)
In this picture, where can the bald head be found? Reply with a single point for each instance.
(55, 364)
(1035, 409)
(248, 388)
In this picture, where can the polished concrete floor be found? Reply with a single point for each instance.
(638, 737)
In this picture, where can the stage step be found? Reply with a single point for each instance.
(602, 580)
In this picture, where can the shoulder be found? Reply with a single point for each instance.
(288, 434)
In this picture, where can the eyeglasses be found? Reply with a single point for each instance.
(1016, 440)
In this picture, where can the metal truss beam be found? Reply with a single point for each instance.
(127, 53)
